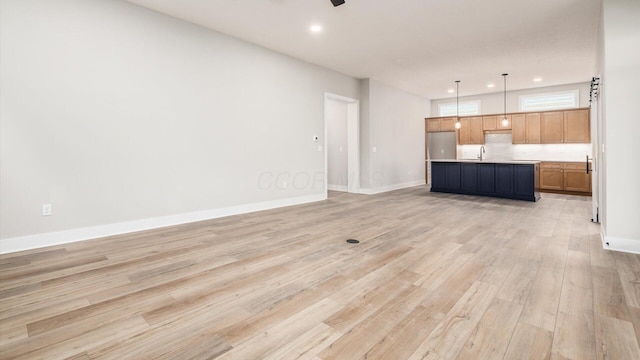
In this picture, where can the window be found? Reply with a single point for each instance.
(466, 108)
(549, 101)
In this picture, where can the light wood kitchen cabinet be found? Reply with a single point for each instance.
(518, 129)
(470, 131)
(551, 176)
(570, 126)
(525, 128)
(448, 124)
(548, 127)
(476, 135)
(533, 128)
(552, 127)
(576, 177)
(433, 125)
(494, 122)
(489, 122)
(441, 124)
(464, 133)
(500, 126)
(577, 126)
(565, 176)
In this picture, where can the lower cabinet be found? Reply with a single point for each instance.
(565, 176)
(469, 177)
(446, 176)
(486, 178)
(577, 180)
(504, 179)
(454, 180)
(439, 175)
(513, 181)
(524, 179)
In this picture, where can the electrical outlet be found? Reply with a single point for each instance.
(46, 210)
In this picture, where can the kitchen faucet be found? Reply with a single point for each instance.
(481, 151)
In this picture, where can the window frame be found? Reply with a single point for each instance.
(574, 92)
(477, 102)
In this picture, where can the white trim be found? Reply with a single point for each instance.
(340, 98)
(68, 236)
(621, 244)
(378, 190)
(353, 147)
(342, 188)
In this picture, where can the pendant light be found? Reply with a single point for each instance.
(505, 121)
(458, 124)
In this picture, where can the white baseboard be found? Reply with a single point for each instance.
(620, 244)
(378, 190)
(343, 188)
(68, 236)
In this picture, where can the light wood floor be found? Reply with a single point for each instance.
(435, 276)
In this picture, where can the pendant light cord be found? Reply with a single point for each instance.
(505, 95)
(457, 100)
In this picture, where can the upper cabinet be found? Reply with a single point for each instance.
(577, 126)
(570, 126)
(494, 122)
(533, 128)
(470, 131)
(552, 127)
(441, 124)
(548, 127)
(433, 125)
(525, 128)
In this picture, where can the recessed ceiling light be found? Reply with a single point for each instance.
(450, 90)
(537, 79)
(315, 28)
(490, 85)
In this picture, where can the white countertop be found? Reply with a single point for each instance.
(488, 161)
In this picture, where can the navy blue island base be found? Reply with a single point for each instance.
(517, 180)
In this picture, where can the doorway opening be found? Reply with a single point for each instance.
(341, 143)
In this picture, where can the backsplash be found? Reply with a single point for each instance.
(499, 147)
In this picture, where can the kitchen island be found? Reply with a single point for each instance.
(519, 180)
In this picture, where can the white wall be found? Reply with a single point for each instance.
(494, 103)
(336, 119)
(115, 114)
(394, 125)
(621, 225)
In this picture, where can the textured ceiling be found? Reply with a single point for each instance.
(420, 46)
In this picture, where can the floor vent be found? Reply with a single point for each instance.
(353, 241)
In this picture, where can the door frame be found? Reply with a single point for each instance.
(353, 142)
(597, 160)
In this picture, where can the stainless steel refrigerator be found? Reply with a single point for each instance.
(440, 145)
